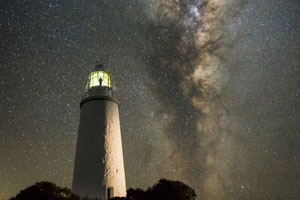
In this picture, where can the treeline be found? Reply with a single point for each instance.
(163, 190)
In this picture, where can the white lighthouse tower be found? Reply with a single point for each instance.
(99, 166)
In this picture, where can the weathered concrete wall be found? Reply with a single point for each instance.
(115, 173)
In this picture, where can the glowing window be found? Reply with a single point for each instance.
(98, 78)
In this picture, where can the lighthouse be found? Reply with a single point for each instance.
(99, 167)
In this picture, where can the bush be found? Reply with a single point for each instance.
(45, 191)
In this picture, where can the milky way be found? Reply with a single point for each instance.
(209, 91)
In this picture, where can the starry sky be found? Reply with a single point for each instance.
(209, 91)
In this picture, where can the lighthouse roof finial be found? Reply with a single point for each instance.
(100, 63)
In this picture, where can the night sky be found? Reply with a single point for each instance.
(209, 91)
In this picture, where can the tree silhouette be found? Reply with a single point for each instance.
(170, 190)
(45, 191)
(135, 194)
(163, 190)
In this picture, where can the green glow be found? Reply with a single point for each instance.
(98, 76)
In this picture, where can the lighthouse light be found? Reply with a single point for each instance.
(99, 78)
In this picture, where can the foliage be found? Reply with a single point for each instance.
(173, 190)
(135, 194)
(45, 191)
(163, 190)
